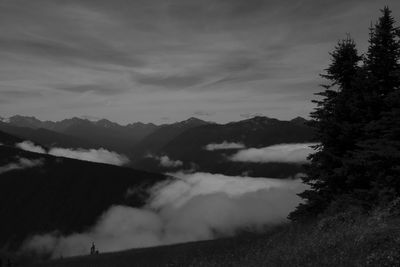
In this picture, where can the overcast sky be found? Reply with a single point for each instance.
(167, 60)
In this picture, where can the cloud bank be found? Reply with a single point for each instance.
(290, 153)
(166, 161)
(193, 207)
(223, 145)
(100, 155)
(22, 163)
(31, 147)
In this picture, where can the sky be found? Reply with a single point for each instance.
(167, 60)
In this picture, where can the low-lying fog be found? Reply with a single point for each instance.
(190, 207)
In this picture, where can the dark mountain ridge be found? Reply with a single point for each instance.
(47, 137)
(8, 139)
(109, 134)
(94, 134)
(165, 134)
(190, 146)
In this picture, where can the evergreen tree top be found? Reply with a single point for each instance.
(345, 59)
(383, 56)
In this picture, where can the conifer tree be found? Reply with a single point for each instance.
(358, 125)
(336, 127)
(382, 59)
(373, 168)
(370, 168)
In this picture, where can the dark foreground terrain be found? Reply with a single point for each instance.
(345, 239)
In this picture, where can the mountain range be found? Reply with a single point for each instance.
(181, 142)
(189, 147)
(78, 132)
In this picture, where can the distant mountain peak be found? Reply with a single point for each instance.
(193, 119)
(25, 121)
(261, 120)
(22, 117)
(90, 118)
(141, 124)
(299, 120)
(106, 123)
(75, 120)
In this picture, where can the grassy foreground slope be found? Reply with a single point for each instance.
(344, 239)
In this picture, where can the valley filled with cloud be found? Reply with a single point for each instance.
(190, 207)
